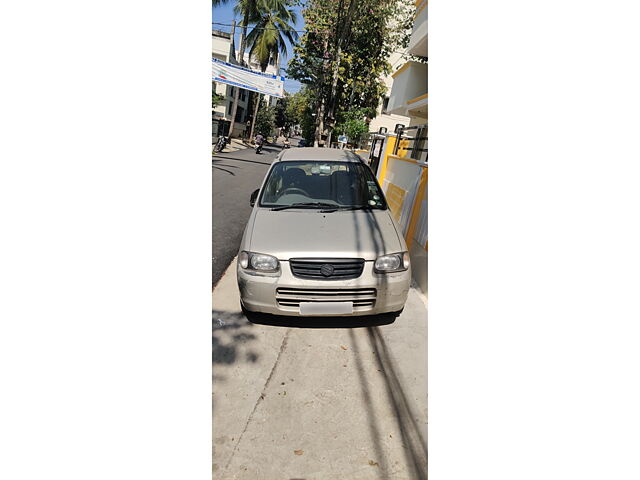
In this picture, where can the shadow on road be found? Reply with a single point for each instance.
(415, 447)
(367, 395)
(320, 322)
(238, 160)
(224, 170)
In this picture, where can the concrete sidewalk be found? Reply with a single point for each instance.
(306, 398)
(233, 146)
(237, 144)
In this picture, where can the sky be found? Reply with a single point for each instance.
(224, 14)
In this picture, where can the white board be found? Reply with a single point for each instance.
(241, 77)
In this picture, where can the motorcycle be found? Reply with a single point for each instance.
(222, 142)
(258, 147)
(286, 144)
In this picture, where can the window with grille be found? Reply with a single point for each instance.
(385, 104)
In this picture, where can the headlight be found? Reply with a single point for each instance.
(396, 262)
(258, 261)
(263, 262)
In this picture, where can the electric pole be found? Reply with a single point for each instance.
(236, 90)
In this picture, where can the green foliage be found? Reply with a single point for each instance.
(308, 125)
(282, 119)
(216, 98)
(265, 121)
(247, 10)
(298, 105)
(345, 49)
(300, 109)
(273, 29)
(353, 124)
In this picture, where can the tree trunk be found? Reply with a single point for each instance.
(243, 38)
(234, 110)
(353, 92)
(334, 86)
(341, 36)
(255, 111)
(319, 123)
(255, 115)
(321, 106)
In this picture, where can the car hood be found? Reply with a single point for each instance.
(309, 233)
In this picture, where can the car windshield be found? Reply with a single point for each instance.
(326, 185)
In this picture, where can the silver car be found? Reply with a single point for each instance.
(321, 240)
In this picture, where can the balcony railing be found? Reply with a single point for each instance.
(414, 140)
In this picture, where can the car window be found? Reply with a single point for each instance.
(343, 184)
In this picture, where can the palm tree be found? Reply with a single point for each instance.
(250, 12)
(272, 30)
(269, 37)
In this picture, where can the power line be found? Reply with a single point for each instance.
(264, 28)
(299, 31)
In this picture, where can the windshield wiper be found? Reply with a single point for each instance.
(335, 209)
(304, 204)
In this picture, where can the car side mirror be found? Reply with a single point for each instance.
(254, 196)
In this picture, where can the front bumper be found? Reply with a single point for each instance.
(371, 293)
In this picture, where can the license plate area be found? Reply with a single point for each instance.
(326, 308)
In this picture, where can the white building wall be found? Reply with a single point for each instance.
(220, 49)
(388, 120)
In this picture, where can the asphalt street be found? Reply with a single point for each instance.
(235, 176)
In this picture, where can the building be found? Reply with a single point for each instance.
(384, 118)
(409, 95)
(400, 158)
(221, 49)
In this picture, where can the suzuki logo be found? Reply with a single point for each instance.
(326, 270)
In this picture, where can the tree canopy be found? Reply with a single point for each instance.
(273, 30)
(343, 54)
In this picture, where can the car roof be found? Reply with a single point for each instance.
(322, 154)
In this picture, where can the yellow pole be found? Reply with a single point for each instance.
(391, 141)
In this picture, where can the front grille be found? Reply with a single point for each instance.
(291, 297)
(327, 268)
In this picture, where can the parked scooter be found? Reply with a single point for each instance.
(222, 142)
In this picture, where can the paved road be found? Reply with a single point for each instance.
(315, 399)
(235, 176)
